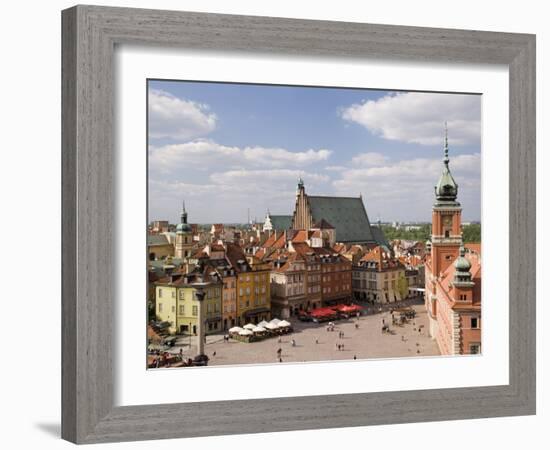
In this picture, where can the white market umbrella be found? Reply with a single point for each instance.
(249, 326)
(275, 321)
(263, 323)
(235, 329)
(258, 329)
(283, 324)
(271, 326)
(245, 333)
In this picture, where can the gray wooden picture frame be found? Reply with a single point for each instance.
(90, 34)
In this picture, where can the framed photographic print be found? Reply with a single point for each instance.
(301, 209)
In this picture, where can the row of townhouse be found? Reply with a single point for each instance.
(237, 292)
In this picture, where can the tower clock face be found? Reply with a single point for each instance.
(447, 221)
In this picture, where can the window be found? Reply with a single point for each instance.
(195, 310)
(475, 349)
(446, 233)
(160, 307)
(474, 323)
(173, 308)
(173, 294)
(160, 293)
(182, 309)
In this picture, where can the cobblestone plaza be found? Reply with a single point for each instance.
(315, 343)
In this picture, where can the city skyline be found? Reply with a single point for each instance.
(239, 147)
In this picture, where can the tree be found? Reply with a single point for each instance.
(471, 232)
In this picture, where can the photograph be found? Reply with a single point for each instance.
(292, 224)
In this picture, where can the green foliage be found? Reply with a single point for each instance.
(470, 233)
(421, 234)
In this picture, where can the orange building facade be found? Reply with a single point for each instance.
(453, 275)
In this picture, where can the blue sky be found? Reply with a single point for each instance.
(227, 148)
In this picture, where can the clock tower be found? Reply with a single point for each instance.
(446, 219)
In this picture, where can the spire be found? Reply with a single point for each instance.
(446, 151)
(183, 213)
(446, 189)
(300, 186)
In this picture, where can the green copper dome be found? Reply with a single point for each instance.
(463, 277)
(183, 227)
(461, 263)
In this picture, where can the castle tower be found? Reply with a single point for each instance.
(446, 219)
(184, 237)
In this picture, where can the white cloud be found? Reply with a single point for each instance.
(259, 180)
(336, 168)
(176, 118)
(405, 188)
(209, 155)
(369, 159)
(417, 117)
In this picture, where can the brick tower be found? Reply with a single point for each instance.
(446, 219)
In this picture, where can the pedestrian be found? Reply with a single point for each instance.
(342, 347)
(356, 326)
(338, 347)
(213, 354)
(354, 357)
(279, 340)
(280, 360)
(316, 341)
(293, 343)
(342, 335)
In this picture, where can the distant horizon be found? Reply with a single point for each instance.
(386, 222)
(225, 149)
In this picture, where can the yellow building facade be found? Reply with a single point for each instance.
(176, 304)
(253, 296)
